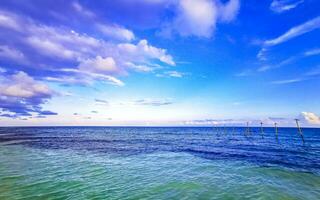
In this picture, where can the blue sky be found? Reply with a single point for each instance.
(159, 62)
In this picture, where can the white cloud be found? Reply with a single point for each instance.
(21, 95)
(152, 102)
(2, 70)
(140, 68)
(312, 52)
(102, 102)
(143, 51)
(51, 49)
(10, 53)
(314, 72)
(100, 65)
(262, 54)
(229, 11)
(100, 58)
(116, 32)
(311, 118)
(278, 65)
(295, 32)
(84, 78)
(175, 74)
(22, 85)
(292, 33)
(199, 17)
(196, 17)
(81, 10)
(287, 81)
(8, 20)
(244, 73)
(280, 6)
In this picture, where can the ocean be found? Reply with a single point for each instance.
(158, 163)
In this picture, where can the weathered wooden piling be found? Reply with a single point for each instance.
(262, 133)
(299, 130)
(248, 130)
(276, 131)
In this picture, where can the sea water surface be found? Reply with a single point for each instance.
(158, 163)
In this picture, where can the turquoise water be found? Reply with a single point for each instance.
(157, 163)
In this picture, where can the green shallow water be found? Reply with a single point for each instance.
(29, 173)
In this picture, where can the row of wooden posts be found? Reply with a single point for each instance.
(276, 130)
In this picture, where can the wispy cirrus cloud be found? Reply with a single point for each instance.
(313, 72)
(290, 34)
(102, 102)
(152, 102)
(290, 60)
(175, 74)
(287, 81)
(309, 75)
(172, 74)
(312, 52)
(10, 53)
(295, 32)
(277, 65)
(280, 6)
(82, 10)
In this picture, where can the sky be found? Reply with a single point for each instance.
(159, 62)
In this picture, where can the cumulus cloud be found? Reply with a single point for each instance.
(196, 17)
(21, 95)
(280, 6)
(228, 11)
(143, 51)
(311, 118)
(100, 65)
(199, 17)
(84, 55)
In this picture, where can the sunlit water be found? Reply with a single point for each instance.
(158, 163)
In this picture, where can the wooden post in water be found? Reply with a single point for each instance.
(217, 129)
(262, 133)
(276, 130)
(248, 131)
(299, 130)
